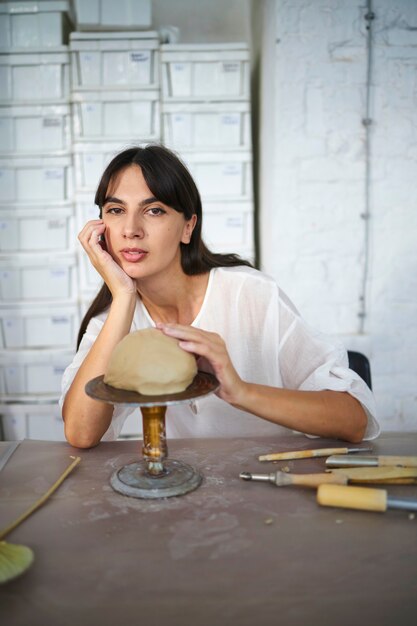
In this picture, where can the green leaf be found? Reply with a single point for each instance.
(14, 560)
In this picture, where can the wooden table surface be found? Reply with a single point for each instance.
(230, 553)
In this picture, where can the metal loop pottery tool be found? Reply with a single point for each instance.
(371, 461)
(362, 498)
(155, 476)
(308, 454)
(387, 475)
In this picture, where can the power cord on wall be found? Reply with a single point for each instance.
(367, 123)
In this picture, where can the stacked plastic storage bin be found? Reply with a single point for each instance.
(115, 104)
(38, 299)
(206, 119)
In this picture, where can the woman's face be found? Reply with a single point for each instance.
(142, 234)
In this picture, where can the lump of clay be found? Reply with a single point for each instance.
(149, 362)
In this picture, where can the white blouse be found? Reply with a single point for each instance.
(268, 342)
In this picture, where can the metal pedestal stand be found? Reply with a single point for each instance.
(155, 476)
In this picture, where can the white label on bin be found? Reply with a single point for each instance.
(234, 222)
(231, 170)
(26, 8)
(230, 67)
(60, 319)
(57, 273)
(55, 224)
(49, 122)
(139, 57)
(53, 174)
(230, 120)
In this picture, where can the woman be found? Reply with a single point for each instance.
(147, 247)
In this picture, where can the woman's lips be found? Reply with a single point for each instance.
(133, 255)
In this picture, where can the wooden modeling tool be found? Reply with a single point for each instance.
(386, 475)
(308, 454)
(361, 498)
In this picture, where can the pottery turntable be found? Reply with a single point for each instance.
(155, 475)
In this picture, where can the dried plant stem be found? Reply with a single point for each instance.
(41, 500)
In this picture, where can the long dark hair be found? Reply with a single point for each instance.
(171, 183)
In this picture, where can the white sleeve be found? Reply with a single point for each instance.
(119, 413)
(311, 361)
(93, 329)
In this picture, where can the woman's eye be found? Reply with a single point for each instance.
(114, 210)
(156, 211)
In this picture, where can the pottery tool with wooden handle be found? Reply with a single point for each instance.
(388, 475)
(308, 454)
(361, 498)
(371, 461)
(283, 479)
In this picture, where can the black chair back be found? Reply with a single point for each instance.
(359, 363)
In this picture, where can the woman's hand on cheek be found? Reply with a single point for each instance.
(92, 240)
(211, 348)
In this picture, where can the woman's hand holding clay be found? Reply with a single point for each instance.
(211, 348)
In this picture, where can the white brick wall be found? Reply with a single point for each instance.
(313, 181)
